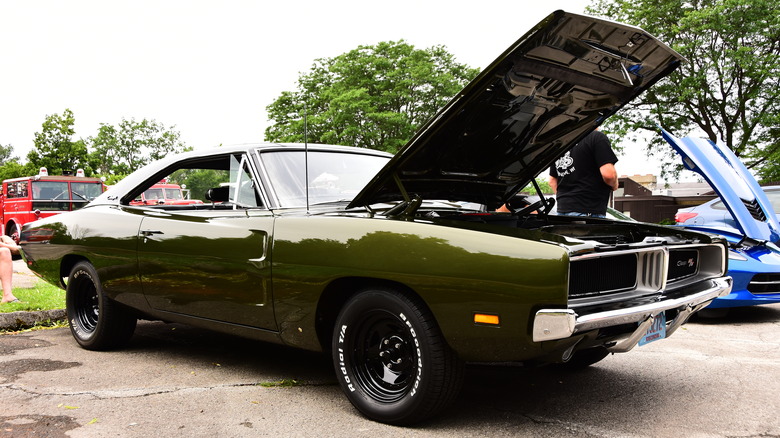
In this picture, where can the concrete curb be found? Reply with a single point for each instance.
(23, 320)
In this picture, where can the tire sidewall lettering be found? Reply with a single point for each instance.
(342, 365)
(75, 325)
(77, 330)
(419, 374)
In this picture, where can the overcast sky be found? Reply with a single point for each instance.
(211, 68)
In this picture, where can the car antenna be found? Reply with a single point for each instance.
(306, 154)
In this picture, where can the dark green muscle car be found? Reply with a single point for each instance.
(398, 266)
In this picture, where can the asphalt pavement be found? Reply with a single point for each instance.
(713, 378)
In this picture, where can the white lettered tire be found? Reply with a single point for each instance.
(391, 359)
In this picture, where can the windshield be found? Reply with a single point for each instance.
(57, 196)
(82, 191)
(173, 194)
(50, 190)
(153, 194)
(333, 176)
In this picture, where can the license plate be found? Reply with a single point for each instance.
(656, 331)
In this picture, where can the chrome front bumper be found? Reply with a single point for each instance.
(552, 324)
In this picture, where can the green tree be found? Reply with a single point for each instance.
(544, 185)
(10, 167)
(373, 96)
(6, 153)
(729, 89)
(198, 181)
(122, 149)
(54, 147)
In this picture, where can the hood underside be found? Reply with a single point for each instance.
(738, 189)
(535, 101)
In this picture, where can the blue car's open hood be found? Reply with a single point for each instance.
(733, 182)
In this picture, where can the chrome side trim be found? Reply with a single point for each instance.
(552, 324)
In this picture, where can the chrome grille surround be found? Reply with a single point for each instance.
(593, 278)
(653, 293)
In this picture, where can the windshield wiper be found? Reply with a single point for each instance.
(335, 201)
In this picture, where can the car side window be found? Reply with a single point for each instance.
(217, 182)
(774, 198)
(243, 190)
(718, 206)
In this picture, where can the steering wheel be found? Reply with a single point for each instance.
(542, 205)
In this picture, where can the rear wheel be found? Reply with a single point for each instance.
(96, 321)
(12, 231)
(391, 359)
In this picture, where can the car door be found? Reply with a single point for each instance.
(211, 261)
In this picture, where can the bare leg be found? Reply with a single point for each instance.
(6, 272)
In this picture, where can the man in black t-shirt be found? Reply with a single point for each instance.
(584, 177)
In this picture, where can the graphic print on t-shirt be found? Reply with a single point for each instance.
(565, 165)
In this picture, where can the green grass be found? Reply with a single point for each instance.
(42, 296)
(286, 383)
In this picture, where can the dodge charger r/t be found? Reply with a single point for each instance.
(398, 266)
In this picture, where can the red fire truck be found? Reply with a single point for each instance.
(30, 198)
(165, 193)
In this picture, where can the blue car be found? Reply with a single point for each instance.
(749, 221)
(714, 213)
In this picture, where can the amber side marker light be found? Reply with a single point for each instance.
(484, 318)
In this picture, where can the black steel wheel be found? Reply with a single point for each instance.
(391, 359)
(96, 322)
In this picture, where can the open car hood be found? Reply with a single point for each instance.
(726, 174)
(542, 95)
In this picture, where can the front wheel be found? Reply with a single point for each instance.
(391, 359)
(96, 321)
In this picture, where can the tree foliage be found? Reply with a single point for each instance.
(198, 181)
(54, 147)
(373, 96)
(113, 153)
(9, 164)
(122, 149)
(729, 90)
(6, 153)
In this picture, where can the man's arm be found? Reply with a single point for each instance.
(553, 184)
(609, 175)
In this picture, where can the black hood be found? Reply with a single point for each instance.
(542, 95)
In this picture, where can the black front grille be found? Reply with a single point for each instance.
(602, 276)
(764, 284)
(682, 264)
(755, 210)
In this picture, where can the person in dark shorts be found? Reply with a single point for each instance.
(585, 176)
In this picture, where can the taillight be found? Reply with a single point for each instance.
(682, 217)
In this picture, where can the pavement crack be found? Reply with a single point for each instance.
(147, 392)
